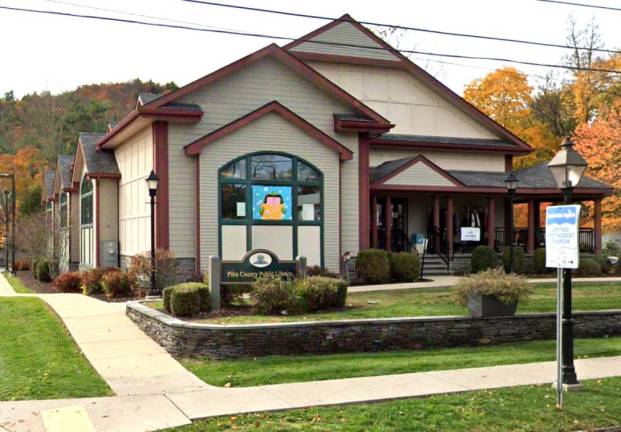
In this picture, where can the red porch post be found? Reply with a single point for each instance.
(363, 191)
(449, 224)
(373, 221)
(388, 224)
(597, 225)
(491, 223)
(530, 245)
(436, 222)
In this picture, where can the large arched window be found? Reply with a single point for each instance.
(271, 189)
(86, 202)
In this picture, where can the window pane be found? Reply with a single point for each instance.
(86, 209)
(233, 201)
(87, 186)
(271, 203)
(235, 170)
(306, 173)
(271, 167)
(309, 203)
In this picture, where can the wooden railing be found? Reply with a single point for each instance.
(586, 238)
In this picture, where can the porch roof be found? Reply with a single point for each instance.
(97, 161)
(48, 183)
(65, 165)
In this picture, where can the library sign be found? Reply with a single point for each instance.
(254, 263)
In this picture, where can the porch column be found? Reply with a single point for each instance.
(436, 222)
(491, 223)
(597, 225)
(388, 224)
(449, 224)
(373, 221)
(363, 191)
(530, 244)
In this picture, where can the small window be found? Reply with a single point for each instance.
(307, 174)
(86, 202)
(233, 201)
(236, 170)
(271, 167)
(63, 210)
(309, 203)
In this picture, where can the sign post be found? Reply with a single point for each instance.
(562, 252)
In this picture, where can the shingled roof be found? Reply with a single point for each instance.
(48, 184)
(97, 161)
(65, 163)
(440, 140)
(384, 169)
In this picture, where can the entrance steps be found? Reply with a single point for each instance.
(434, 266)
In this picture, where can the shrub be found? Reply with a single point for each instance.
(483, 258)
(539, 261)
(185, 301)
(404, 267)
(373, 266)
(166, 295)
(612, 248)
(22, 264)
(91, 280)
(508, 288)
(33, 266)
(272, 294)
(604, 264)
(321, 271)
(43, 270)
(317, 292)
(139, 271)
(589, 267)
(69, 282)
(519, 259)
(230, 294)
(115, 284)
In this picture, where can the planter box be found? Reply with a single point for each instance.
(481, 305)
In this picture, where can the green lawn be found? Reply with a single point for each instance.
(17, 284)
(434, 302)
(522, 409)
(38, 358)
(283, 369)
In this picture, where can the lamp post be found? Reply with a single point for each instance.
(511, 182)
(6, 229)
(567, 167)
(152, 181)
(12, 177)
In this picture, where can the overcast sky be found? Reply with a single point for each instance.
(41, 52)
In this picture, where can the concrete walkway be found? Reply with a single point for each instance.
(153, 391)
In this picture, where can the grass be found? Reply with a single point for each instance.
(284, 369)
(434, 302)
(17, 284)
(530, 408)
(38, 359)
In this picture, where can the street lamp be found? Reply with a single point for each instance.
(12, 177)
(512, 183)
(152, 181)
(6, 229)
(567, 168)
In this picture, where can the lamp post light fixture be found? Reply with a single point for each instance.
(6, 229)
(512, 183)
(152, 181)
(567, 167)
(12, 177)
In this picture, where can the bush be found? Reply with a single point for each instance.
(139, 271)
(69, 282)
(404, 267)
(91, 280)
(483, 258)
(539, 261)
(321, 271)
(272, 294)
(612, 248)
(589, 267)
(22, 265)
(185, 301)
(230, 294)
(33, 266)
(166, 295)
(373, 266)
(317, 293)
(43, 270)
(508, 288)
(115, 284)
(519, 259)
(604, 264)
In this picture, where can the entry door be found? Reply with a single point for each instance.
(399, 232)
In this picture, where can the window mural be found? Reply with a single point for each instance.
(271, 202)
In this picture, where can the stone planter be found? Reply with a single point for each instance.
(481, 305)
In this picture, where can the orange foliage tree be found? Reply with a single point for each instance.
(28, 164)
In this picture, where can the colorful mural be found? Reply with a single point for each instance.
(271, 202)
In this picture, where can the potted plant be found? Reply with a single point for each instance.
(492, 293)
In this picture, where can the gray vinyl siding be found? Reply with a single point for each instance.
(420, 174)
(269, 133)
(345, 33)
(109, 211)
(230, 98)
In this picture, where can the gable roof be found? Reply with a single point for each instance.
(65, 168)
(275, 107)
(289, 60)
(100, 163)
(408, 66)
(48, 185)
(146, 97)
(452, 143)
(387, 170)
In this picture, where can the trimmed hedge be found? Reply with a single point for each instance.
(317, 293)
(69, 282)
(373, 266)
(539, 261)
(404, 267)
(589, 267)
(115, 284)
(272, 294)
(166, 295)
(43, 270)
(519, 259)
(507, 288)
(187, 299)
(483, 258)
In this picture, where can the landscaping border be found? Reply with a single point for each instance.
(225, 341)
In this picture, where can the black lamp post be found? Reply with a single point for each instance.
(152, 181)
(511, 182)
(567, 167)
(12, 177)
(6, 229)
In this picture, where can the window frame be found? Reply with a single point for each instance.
(63, 210)
(87, 194)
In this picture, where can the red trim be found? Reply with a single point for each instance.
(340, 212)
(341, 125)
(420, 158)
(449, 224)
(70, 189)
(104, 175)
(373, 221)
(363, 191)
(160, 147)
(583, 193)
(508, 163)
(379, 142)
(197, 146)
(97, 228)
(335, 58)
(436, 221)
(197, 210)
(530, 242)
(597, 225)
(286, 58)
(388, 223)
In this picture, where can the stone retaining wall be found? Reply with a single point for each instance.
(367, 335)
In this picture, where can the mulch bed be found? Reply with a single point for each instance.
(35, 285)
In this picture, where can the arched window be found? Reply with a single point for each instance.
(263, 189)
(86, 202)
(63, 210)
